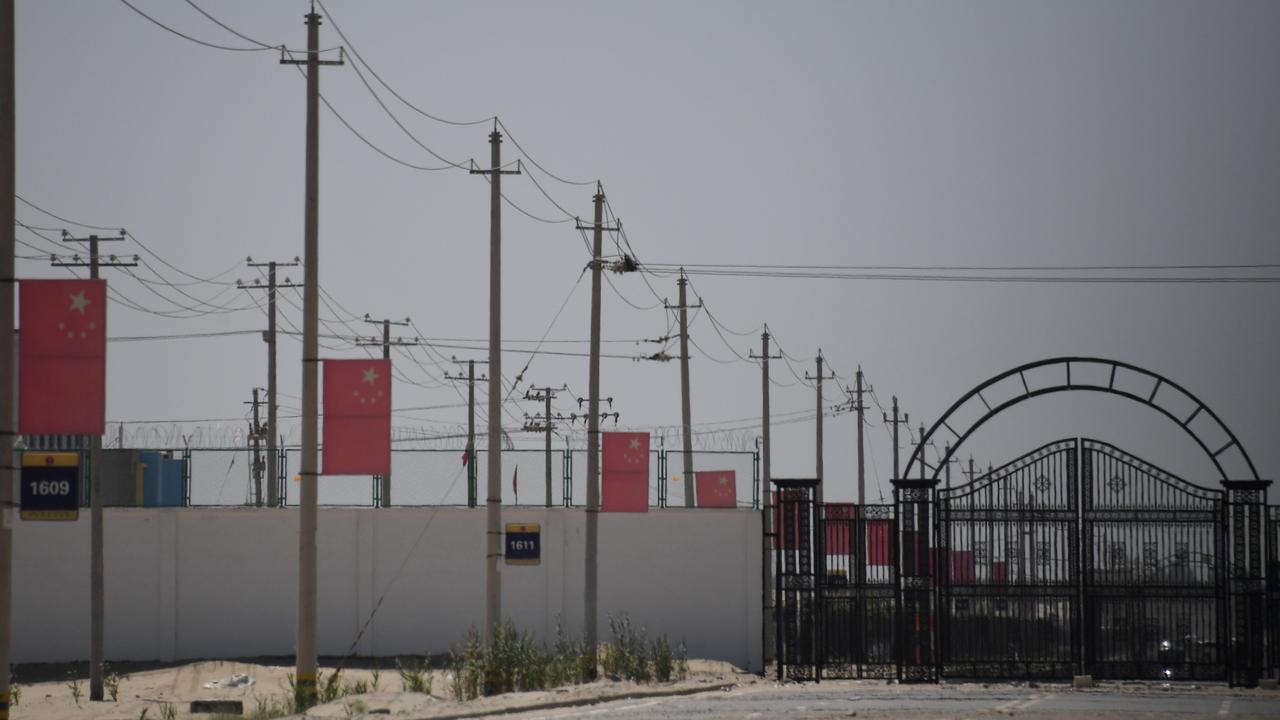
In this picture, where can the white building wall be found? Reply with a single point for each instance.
(186, 583)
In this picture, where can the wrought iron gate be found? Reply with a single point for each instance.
(1077, 558)
(796, 599)
(1154, 571)
(858, 591)
(1009, 570)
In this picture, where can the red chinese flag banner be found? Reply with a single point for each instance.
(625, 472)
(962, 567)
(999, 573)
(879, 542)
(62, 357)
(839, 519)
(357, 417)
(716, 488)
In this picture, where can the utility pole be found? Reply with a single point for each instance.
(896, 422)
(97, 601)
(818, 377)
(862, 467)
(274, 494)
(256, 437)
(306, 659)
(766, 474)
(949, 461)
(685, 421)
(766, 468)
(546, 395)
(470, 379)
(493, 499)
(9, 410)
(385, 495)
(590, 578)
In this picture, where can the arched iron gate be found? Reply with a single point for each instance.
(1076, 558)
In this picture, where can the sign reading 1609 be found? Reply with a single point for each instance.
(50, 486)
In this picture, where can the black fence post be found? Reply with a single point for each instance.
(1246, 520)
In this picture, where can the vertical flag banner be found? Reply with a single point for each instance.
(357, 417)
(839, 533)
(62, 357)
(716, 488)
(879, 542)
(625, 472)
(999, 573)
(962, 567)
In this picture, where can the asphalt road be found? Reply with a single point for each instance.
(845, 699)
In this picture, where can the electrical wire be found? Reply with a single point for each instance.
(232, 30)
(1023, 279)
(356, 54)
(193, 39)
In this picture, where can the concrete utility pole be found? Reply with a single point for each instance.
(590, 579)
(275, 497)
(9, 411)
(862, 467)
(766, 473)
(97, 601)
(384, 495)
(493, 499)
(818, 377)
(256, 437)
(685, 415)
(766, 467)
(470, 379)
(306, 659)
(896, 422)
(545, 423)
(946, 453)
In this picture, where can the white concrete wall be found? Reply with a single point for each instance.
(206, 583)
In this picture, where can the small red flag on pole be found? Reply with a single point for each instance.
(62, 357)
(357, 417)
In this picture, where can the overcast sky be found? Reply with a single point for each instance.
(816, 133)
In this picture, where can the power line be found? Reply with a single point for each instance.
(197, 41)
(1023, 279)
(356, 54)
(232, 30)
(970, 268)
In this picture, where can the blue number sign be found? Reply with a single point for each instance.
(50, 486)
(524, 544)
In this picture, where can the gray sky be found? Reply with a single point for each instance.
(816, 133)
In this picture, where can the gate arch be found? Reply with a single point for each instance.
(1158, 383)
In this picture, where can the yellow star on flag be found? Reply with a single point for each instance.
(78, 302)
(370, 376)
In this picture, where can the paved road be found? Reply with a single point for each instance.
(964, 702)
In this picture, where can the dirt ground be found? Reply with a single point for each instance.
(158, 691)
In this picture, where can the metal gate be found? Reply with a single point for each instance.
(1076, 558)
(1009, 582)
(858, 590)
(1154, 571)
(796, 598)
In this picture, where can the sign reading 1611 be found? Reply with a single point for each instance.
(524, 544)
(50, 486)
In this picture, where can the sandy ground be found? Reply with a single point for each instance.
(160, 691)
